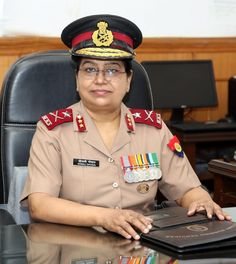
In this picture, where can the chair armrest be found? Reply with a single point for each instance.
(5, 217)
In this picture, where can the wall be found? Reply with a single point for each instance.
(172, 18)
(222, 51)
(156, 18)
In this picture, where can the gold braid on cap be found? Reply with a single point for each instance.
(104, 52)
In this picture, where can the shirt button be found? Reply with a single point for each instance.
(115, 185)
(110, 160)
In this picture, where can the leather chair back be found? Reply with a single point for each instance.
(38, 84)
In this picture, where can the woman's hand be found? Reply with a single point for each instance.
(198, 199)
(210, 207)
(125, 222)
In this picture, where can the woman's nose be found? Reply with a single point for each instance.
(100, 76)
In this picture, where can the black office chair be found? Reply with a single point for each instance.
(35, 85)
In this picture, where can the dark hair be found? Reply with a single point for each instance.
(127, 64)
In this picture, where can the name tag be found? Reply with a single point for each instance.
(86, 162)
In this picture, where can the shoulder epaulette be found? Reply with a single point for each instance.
(147, 117)
(57, 117)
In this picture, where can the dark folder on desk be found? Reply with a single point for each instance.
(174, 230)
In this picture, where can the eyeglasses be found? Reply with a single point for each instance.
(109, 74)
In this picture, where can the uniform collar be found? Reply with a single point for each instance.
(123, 135)
(80, 113)
(91, 134)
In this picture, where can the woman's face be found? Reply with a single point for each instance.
(102, 84)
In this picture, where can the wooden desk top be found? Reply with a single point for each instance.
(223, 168)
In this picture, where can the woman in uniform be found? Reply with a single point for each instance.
(95, 160)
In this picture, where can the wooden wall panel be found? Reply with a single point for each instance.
(222, 51)
(224, 63)
(222, 91)
(5, 62)
(23, 45)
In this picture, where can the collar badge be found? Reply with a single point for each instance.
(80, 123)
(129, 122)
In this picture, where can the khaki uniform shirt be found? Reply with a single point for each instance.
(53, 170)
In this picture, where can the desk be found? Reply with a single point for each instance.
(60, 244)
(224, 181)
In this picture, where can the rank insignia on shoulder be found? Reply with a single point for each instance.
(147, 117)
(174, 145)
(58, 117)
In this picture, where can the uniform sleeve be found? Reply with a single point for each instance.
(178, 176)
(44, 164)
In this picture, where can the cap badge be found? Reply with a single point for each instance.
(102, 36)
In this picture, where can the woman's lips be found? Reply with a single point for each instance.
(101, 92)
